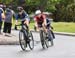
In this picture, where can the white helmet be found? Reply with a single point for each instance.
(38, 12)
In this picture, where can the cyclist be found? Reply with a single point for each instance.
(40, 20)
(23, 16)
(43, 19)
(49, 20)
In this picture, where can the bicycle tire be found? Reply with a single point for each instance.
(42, 39)
(51, 38)
(46, 40)
(31, 43)
(22, 44)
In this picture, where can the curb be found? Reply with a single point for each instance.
(60, 33)
(10, 43)
(65, 34)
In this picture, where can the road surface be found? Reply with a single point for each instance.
(64, 47)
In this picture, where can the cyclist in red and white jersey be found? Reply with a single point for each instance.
(40, 20)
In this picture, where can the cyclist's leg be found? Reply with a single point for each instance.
(48, 30)
(38, 25)
(44, 27)
(52, 31)
(44, 24)
(26, 21)
(52, 34)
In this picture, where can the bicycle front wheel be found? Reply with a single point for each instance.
(22, 40)
(42, 39)
(45, 39)
(31, 42)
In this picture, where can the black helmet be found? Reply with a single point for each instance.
(19, 8)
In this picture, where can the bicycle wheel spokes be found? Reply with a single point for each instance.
(31, 41)
(22, 41)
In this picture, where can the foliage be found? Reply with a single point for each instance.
(63, 10)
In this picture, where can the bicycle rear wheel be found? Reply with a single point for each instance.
(22, 40)
(50, 37)
(31, 42)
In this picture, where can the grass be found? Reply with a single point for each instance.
(64, 27)
(31, 25)
(61, 26)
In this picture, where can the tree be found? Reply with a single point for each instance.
(65, 11)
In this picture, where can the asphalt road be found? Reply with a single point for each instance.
(64, 47)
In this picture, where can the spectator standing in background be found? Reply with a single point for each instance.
(8, 21)
(2, 16)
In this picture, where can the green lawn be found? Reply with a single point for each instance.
(64, 27)
(31, 25)
(61, 26)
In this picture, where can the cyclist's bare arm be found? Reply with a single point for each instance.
(36, 25)
(35, 22)
(44, 24)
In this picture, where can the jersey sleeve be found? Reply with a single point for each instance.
(27, 16)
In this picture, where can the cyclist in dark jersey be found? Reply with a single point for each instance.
(49, 20)
(23, 16)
